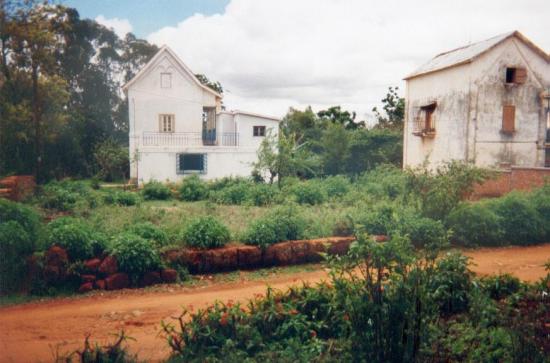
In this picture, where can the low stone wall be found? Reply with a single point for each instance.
(517, 178)
(250, 257)
(17, 187)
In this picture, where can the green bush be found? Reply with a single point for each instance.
(63, 195)
(76, 237)
(263, 194)
(150, 232)
(501, 286)
(27, 217)
(15, 246)
(282, 224)
(521, 222)
(309, 192)
(475, 224)
(135, 255)
(234, 193)
(343, 227)
(155, 190)
(379, 220)
(206, 232)
(336, 186)
(124, 198)
(192, 188)
(422, 231)
(540, 199)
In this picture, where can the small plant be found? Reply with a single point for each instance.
(521, 222)
(206, 232)
(422, 231)
(155, 190)
(235, 193)
(150, 232)
(344, 227)
(72, 235)
(135, 255)
(378, 220)
(282, 224)
(308, 193)
(192, 189)
(336, 186)
(27, 217)
(15, 246)
(501, 286)
(475, 224)
(263, 194)
(123, 198)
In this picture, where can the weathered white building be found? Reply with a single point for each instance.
(486, 103)
(177, 126)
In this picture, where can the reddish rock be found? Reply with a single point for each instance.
(169, 275)
(87, 278)
(92, 265)
(268, 256)
(151, 278)
(380, 238)
(86, 287)
(117, 281)
(56, 256)
(173, 256)
(249, 256)
(339, 246)
(283, 253)
(108, 266)
(192, 259)
(100, 284)
(315, 248)
(300, 251)
(220, 259)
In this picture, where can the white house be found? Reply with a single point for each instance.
(486, 103)
(177, 126)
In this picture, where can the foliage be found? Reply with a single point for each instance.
(475, 224)
(15, 246)
(124, 198)
(112, 160)
(206, 232)
(115, 352)
(234, 193)
(155, 190)
(76, 237)
(150, 232)
(336, 186)
(379, 220)
(501, 286)
(135, 255)
(282, 224)
(422, 231)
(308, 192)
(394, 109)
(65, 195)
(24, 215)
(262, 194)
(192, 188)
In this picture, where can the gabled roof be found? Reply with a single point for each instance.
(469, 53)
(183, 66)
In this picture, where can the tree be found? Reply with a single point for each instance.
(394, 109)
(335, 142)
(216, 86)
(335, 115)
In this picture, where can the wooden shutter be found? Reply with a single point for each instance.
(508, 118)
(520, 75)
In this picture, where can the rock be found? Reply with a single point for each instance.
(56, 256)
(173, 256)
(87, 278)
(92, 265)
(339, 246)
(282, 253)
(117, 281)
(100, 284)
(151, 278)
(299, 251)
(315, 247)
(221, 259)
(108, 266)
(86, 287)
(249, 256)
(380, 238)
(169, 275)
(192, 259)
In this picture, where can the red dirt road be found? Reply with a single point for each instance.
(31, 332)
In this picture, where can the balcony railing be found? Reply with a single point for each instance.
(190, 139)
(423, 127)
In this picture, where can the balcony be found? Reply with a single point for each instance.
(190, 139)
(424, 126)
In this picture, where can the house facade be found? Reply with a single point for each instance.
(486, 103)
(177, 126)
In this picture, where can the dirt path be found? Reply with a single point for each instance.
(31, 332)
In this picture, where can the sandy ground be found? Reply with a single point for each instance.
(33, 332)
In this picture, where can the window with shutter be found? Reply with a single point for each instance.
(166, 123)
(508, 118)
(516, 75)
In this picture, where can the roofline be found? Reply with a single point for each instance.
(239, 112)
(162, 49)
(515, 33)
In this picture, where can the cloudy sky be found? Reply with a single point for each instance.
(274, 54)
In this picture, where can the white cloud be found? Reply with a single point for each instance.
(119, 26)
(270, 55)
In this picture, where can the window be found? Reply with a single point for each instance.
(191, 163)
(516, 75)
(166, 80)
(508, 118)
(166, 123)
(259, 130)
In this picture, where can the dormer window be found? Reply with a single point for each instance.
(166, 80)
(166, 123)
(515, 75)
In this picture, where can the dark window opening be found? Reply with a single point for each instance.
(510, 75)
(516, 75)
(191, 163)
(259, 130)
(428, 117)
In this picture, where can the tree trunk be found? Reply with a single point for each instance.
(37, 127)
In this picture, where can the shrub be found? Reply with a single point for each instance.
(263, 194)
(155, 190)
(308, 193)
(475, 224)
(378, 220)
(64, 195)
(422, 231)
(501, 286)
(192, 188)
(540, 199)
(15, 246)
(135, 255)
(521, 222)
(235, 193)
(124, 198)
(336, 186)
(282, 224)
(206, 232)
(343, 227)
(150, 232)
(75, 236)
(27, 217)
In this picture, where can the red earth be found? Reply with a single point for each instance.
(33, 332)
